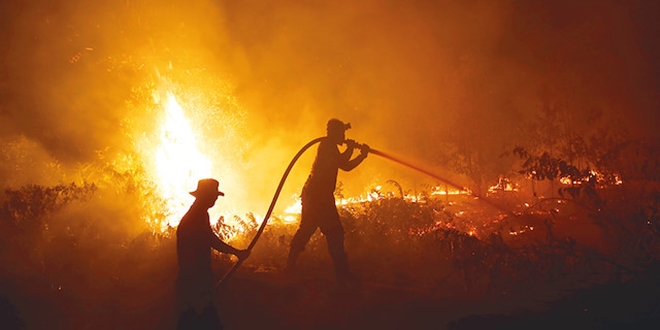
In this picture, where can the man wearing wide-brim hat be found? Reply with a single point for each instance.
(194, 241)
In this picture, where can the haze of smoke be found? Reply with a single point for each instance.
(410, 75)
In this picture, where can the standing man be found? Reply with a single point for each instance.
(318, 201)
(194, 241)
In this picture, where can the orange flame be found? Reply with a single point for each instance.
(179, 164)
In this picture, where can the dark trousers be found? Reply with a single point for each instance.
(321, 215)
(208, 319)
(195, 296)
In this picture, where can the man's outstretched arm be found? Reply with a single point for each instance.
(223, 247)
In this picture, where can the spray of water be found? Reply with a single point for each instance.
(416, 168)
(437, 177)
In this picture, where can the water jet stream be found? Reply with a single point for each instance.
(435, 176)
(416, 168)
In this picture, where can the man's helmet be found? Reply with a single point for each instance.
(337, 125)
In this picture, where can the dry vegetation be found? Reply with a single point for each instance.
(65, 266)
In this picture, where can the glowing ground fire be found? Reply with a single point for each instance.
(179, 164)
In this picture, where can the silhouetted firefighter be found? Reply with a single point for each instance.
(318, 201)
(194, 241)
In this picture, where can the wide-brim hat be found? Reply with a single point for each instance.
(207, 187)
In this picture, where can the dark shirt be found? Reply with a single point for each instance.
(194, 240)
(323, 177)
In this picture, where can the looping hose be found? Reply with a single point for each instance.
(286, 174)
(270, 210)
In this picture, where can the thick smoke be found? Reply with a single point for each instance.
(411, 76)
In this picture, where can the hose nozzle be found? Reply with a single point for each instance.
(358, 145)
(353, 142)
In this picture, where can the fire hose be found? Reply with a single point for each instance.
(231, 272)
(235, 267)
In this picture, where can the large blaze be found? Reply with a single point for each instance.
(517, 185)
(179, 164)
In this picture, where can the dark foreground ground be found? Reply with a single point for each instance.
(261, 300)
(264, 299)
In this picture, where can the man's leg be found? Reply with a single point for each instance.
(298, 243)
(335, 238)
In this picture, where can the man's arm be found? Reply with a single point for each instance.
(345, 157)
(353, 163)
(223, 247)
